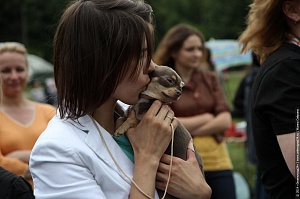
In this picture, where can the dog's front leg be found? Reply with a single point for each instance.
(129, 123)
(120, 121)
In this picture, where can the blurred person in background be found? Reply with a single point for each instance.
(50, 91)
(242, 109)
(21, 120)
(13, 186)
(202, 107)
(273, 34)
(206, 61)
(37, 92)
(207, 64)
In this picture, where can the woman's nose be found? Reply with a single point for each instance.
(14, 74)
(199, 53)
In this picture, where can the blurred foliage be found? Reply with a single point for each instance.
(33, 22)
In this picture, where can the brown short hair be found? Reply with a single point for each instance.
(96, 43)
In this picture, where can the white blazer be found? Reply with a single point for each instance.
(69, 160)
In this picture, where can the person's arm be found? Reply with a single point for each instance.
(192, 123)
(13, 165)
(186, 179)
(219, 124)
(287, 146)
(208, 126)
(149, 139)
(22, 155)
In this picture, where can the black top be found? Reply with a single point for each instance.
(275, 97)
(13, 186)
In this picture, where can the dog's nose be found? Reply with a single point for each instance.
(178, 92)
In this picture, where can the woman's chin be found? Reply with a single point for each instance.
(132, 101)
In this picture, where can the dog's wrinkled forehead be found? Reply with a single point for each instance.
(162, 71)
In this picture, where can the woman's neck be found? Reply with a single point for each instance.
(104, 115)
(185, 73)
(14, 102)
(296, 30)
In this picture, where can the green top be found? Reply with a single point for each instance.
(125, 145)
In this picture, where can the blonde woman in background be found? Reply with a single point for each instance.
(273, 33)
(13, 186)
(21, 120)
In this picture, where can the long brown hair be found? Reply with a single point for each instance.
(266, 28)
(172, 42)
(97, 42)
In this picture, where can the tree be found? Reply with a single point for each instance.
(33, 22)
(214, 18)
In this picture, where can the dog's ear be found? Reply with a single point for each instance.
(182, 84)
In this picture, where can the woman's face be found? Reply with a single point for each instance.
(14, 73)
(128, 91)
(190, 54)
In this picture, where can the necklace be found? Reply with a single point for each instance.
(119, 167)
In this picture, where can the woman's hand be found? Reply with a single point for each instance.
(186, 179)
(149, 140)
(152, 135)
(219, 137)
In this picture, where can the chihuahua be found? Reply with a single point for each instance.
(165, 85)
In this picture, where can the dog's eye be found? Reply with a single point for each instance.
(170, 80)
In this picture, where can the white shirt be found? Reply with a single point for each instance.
(69, 160)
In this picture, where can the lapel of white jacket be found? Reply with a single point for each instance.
(94, 142)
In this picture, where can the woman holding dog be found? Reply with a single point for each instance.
(102, 54)
(202, 108)
(273, 33)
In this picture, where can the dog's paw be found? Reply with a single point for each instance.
(120, 131)
(129, 123)
(120, 121)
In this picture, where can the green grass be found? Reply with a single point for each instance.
(237, 150)
(241, 164)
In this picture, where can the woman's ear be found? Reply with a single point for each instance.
(292, 10)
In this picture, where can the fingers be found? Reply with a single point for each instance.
(164, 162)
(166, 159)
(163, 169)
(170, 116)
(191, 145)
(154, 109)
(190, 152)
(165, 113)
(162, 112)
